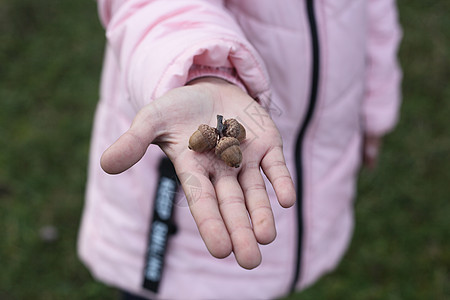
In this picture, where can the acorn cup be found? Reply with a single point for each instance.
(229, 151)
(203, 139)
(226, 138)
(234, 129)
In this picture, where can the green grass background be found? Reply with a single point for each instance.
(50, 61)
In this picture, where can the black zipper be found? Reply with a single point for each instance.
(301, 135)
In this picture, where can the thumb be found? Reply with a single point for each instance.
(133, 144)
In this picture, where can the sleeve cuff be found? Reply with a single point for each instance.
(226, 73)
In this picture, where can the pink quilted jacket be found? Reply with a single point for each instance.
(325, 69)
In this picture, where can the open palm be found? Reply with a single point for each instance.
(229, 196)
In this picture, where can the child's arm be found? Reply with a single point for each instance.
(162, 45)
(383, 94)
(228, 195)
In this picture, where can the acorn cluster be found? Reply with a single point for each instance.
(226, 139)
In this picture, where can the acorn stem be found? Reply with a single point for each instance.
(220, 128)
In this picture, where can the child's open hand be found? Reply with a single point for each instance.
(229, 196)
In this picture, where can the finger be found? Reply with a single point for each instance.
(258, 204)
(234, 213)
(133, 144)
(274, 166)
(205, 211)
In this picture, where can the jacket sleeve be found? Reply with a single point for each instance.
(383, 88)
(160, 45)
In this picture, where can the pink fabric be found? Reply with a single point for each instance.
(264, 47)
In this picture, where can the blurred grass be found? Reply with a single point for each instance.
(50, 61)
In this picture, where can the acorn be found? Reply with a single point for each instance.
(234, 129)
(229, 151)
(203, 139)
